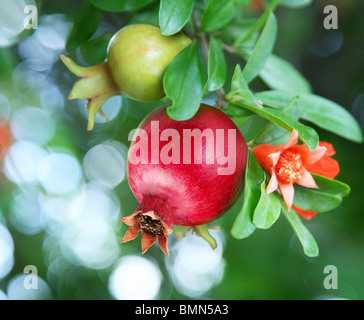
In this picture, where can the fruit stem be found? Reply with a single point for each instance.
(201, 230)
(95, 84)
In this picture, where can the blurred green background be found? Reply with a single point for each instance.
(63, 189)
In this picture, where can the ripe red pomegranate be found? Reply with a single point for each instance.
(179, 180)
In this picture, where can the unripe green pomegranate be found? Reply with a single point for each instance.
(137, 58)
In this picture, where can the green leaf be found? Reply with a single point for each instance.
(242, 2)
(275, 98)
(95, 50)
(149, 16)
(234, 111)
(240, 87)
(243, 122)
(330, 116)
(327, 197)
(183, 83)
(306, 134)
(254, 176)
(86, 21)
(259, 23)
(243, 97)
(237, 30)
(275, 134)
(268, 209)
(173, 15)
(120, 5)
(262, 49)
(278, 73)
(322, 112)
(251, 128)
(306, 239)
(217, 14)
(216, 65)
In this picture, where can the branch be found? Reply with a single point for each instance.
(203, 41)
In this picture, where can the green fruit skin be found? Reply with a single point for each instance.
(138, 56)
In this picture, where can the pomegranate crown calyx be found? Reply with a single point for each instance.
(151, 227)
(95, 84)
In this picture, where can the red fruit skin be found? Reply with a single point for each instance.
(188, 194)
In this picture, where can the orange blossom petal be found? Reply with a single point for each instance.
(292, 141)
(308, 156)
(273, 183)
(305, 213)
(287, 194)
(307, 180)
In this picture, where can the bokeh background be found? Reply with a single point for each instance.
(63, 190)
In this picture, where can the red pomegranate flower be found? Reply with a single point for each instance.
(5, 137)
(257, 4)
(291, 163)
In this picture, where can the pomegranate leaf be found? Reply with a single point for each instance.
(183, 83)
(216, 65)
(94, 50)
(256, 26)
(275, 134)
(262, 49)
(322, 112)
(240, 88)
(237, 31)
(306, 239)
(217, 14)
(234, 111)
(173, 15)
(251, 128)
(268, 209)
(118, 6)
(243, 97)
(86, 21)
(254, 176)
(328, 196)
(278, 73)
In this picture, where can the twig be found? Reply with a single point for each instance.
(228, 48)
(202, 40)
